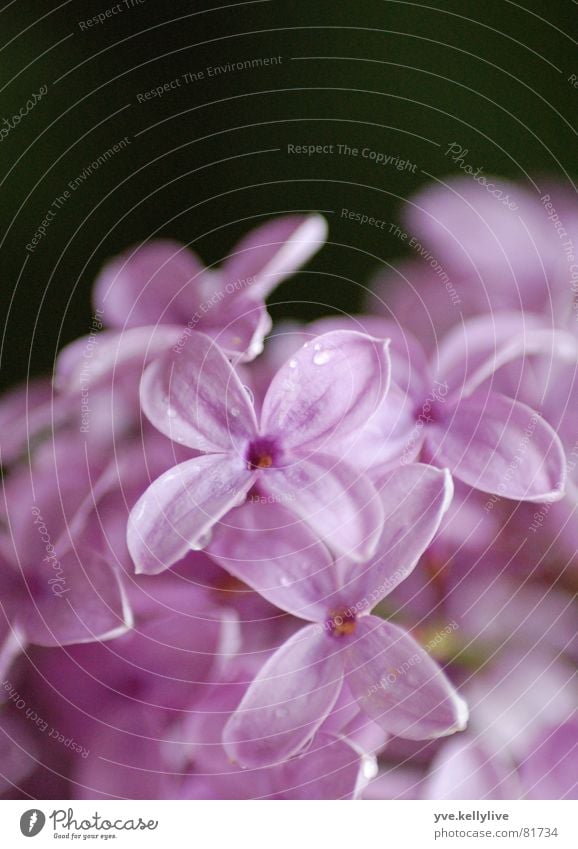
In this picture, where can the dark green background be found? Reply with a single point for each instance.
(492, 76)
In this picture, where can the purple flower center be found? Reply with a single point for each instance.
(262, 453)
(341, 623)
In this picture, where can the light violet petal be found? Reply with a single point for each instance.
(179, 509)
(398, 684)
(339, 504)
(415, 499)
(463, 769)
(78, 599)
(242, 325)
(264, 545)
(500, 446)
(26, 413)
(388, 437)
(91, 360)
(550, 770)
(195, 397)
(275, 251)
(474, 351)
(329, 388)
(330, 769)
(12, 645)
(425, 299)
(158, 282)
(409, 364)
(507, 252)
(287, 702)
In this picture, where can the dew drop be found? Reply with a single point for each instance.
(285, 582)
(322, 358)
(249, 392)
(234, 412)
(202, 541)
(292, 363)
(240, 499)
(369, 767)
(171, 413)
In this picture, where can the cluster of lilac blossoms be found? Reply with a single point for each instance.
(321, 561)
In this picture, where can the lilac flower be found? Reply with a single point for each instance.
(475, 256)
(148, 708)
(329, 388)
(335, 765)
(157, 295)
(522, 733)
(487, 439)
(389, 677)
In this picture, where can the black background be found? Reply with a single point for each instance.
(399, 77)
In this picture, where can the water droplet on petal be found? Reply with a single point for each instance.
(285, 582)
(317, 346)
(322, 358)
(292, 363)
(369, 767)
(249, 392)
(234, 412)
(171, 413)
(202, 541)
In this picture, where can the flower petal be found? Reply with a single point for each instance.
(330, 769)
(463, 769)
(328, 389)
(275, 251)
(550, 770)
(474, 351)
(156, 282)
(194, 397)
(289, 699)
(507, 251)
(91, 360)
(266, 547)
(80, 599)
(399, 685)
(415, 499)
(179, 509)
(12, 645)
(500, 446)
(340, 505)
(240, 327)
